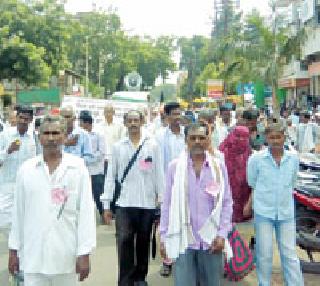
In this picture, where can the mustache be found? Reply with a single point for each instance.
(197, 146)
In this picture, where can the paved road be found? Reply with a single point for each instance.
(104, 264)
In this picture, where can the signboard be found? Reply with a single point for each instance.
(293, 82)
(307, 10)
(235, 99)
(46, 96)
(215, 88)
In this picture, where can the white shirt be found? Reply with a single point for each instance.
(9, 163)
(96, 167)
(112, 133)
(142, 187)
(154, 125)
(219, 134)
(46, 243)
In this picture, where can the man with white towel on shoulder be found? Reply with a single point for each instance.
(196, 212)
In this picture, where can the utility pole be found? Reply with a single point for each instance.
(274, 76)
(87, 67)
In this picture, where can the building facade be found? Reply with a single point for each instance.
(301, 76)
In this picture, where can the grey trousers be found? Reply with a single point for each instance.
(198, 268)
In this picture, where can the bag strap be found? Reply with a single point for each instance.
(131, 162)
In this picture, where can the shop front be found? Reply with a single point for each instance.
(314, 74)
(297, 92)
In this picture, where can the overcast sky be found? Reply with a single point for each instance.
(164, 17)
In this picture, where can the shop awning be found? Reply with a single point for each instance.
(293, 82)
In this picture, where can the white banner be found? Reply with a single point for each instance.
(96, 106)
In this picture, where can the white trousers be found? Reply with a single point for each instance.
(50, 280)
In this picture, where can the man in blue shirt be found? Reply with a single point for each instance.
(96, 166)
(272, 174)
(78, 141)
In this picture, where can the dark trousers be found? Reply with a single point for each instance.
(97, 182)
(133, 232)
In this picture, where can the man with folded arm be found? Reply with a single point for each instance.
(53, 227)
(196, 212)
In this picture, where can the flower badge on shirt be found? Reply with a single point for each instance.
(145, 164)
(213, 189)
(59, 196)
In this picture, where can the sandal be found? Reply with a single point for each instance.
(165, 270)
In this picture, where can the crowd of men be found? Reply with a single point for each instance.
(206, 171)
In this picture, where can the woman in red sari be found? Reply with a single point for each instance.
(236, 150)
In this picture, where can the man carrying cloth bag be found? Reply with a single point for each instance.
(136, 163)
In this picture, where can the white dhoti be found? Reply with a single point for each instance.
(50, 280)
(4, 273)
(6, 204)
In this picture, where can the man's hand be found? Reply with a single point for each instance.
(73, 141)
(13, 264)
(107, 217)
(83, 267)
(14, 146)
(217, 245)
(163, 251)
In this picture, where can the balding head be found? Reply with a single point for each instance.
(68, 114)
(67, 111)
(109, 113)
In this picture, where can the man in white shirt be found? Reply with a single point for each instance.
(112, 133)
(222, 128)
(172, 143)
(155, 121)
(53, 228)
(306, 133)
(96, 167)
(16, 146)
(141, 190)
(171, 139)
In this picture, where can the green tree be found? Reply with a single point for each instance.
(23, 61)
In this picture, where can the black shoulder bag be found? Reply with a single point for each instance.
(118, 184)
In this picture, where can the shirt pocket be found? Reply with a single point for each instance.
(72, 201)
(72, 189)
(146, 162)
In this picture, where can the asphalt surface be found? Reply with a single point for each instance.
(104, 264)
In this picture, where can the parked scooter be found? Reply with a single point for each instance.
(307, 196)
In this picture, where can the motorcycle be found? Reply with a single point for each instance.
(307, 198)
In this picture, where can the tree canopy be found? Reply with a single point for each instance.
(40, 38)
